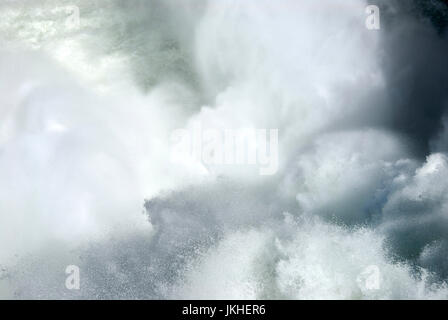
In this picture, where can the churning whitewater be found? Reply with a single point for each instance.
(92, 91)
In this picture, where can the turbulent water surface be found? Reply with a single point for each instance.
(88, 106)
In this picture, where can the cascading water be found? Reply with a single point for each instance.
(87, 111)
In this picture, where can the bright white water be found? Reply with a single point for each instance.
(85, 178)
